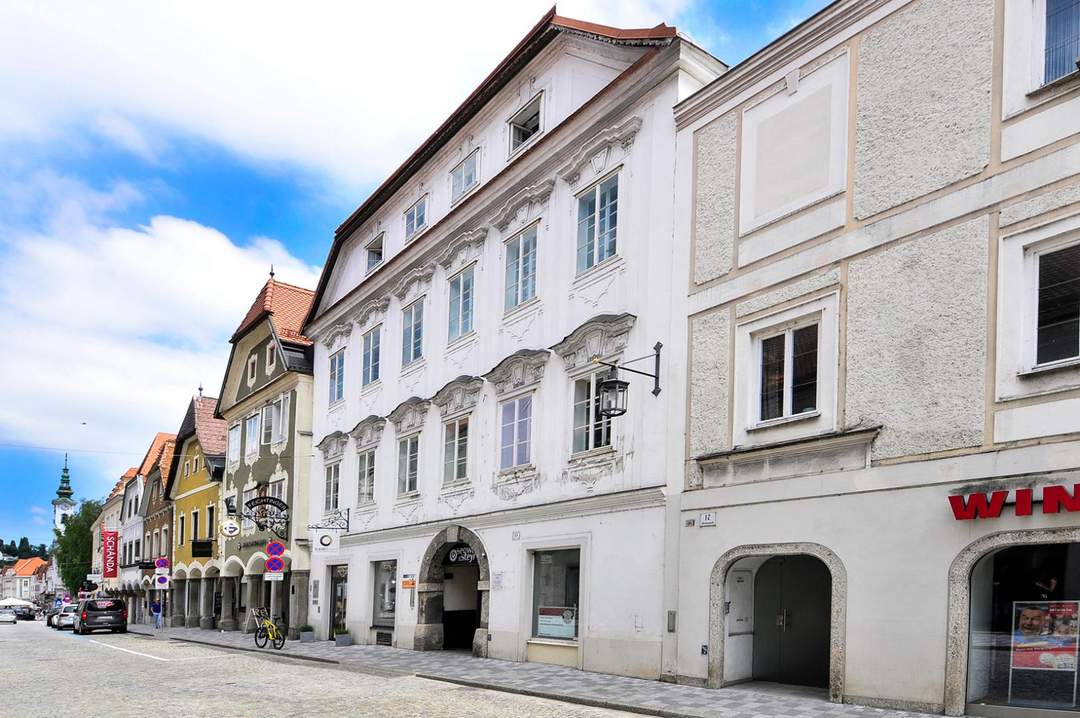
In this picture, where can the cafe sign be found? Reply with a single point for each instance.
(461, 555)
(1053, 499)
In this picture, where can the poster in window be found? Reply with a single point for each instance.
(1043, 656)
(556, 622)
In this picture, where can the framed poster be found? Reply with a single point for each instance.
(1043, 653)
(556, 622)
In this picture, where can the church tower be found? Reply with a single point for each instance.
(63, 505)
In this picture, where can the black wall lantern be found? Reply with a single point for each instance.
(613, 389)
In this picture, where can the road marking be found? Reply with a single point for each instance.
(128, 650)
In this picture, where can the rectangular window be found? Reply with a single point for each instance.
(372, 343)
(251, 435)
(598, 220)
(138, 549)
(515, 432)
(194, 525)
(456, 448)
(385, 598)
(187, 468)
(337, 376)
(247, 496)
(1058, 336)
(525, 124)
(164, 541)
(276, 489)
(274, 419)
(465, 176)
(412, 333)
(271, 357)
(788, 364)
(556, 582)
(408, 463)
(374, 251)
(268, 422)
(211, 527)
(365, 482)
(234, 442)
(591, 431)
(1062, 38)
(195, 465)
(330, 495)
(461, 304)
(520, 268)
(252, 368)
(416, 218)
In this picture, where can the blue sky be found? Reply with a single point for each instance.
(151, 173)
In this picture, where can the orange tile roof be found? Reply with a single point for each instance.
(166, 460)
(286, 305)
(27, 566)
(211, 432)
(153, 454)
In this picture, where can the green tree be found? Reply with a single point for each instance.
(24, 548)
(74, 547)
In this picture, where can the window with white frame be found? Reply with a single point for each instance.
(515, 432)
(252, 368)
(276, 489)
(248, 496)
(465, 176)
(268, 421)
(520, 285)
(461, 304)
(337, 376)
(195, 525)
(164, 541)
(591, 430)
(412, 332)
(195, 464)
(408, 464)
(275, 416)
(1062, 44)
(374, 251)
(251, 435)
(372, 343)
(187, 468)
(597, 223)
(331, 486)
(1057, 334)
(525, 124)
(271, 357)
(234, 442)
(416, 218)
(455, 450)
(211, 526)
(365, 480)
(787, 362)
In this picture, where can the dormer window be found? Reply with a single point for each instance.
(416, 218)
(374, 251)
(252, 368)
(465, 176)
(525, 124)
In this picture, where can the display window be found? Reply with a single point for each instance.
(1025, 610)
(385, 599)
(556, 581)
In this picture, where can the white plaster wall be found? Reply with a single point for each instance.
(916, 341)
(924, 74)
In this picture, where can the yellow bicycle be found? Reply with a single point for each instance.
(269, 631)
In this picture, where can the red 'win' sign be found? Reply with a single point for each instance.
(982, 506)
(108, 545)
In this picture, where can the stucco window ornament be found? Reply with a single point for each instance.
(333, 445)
(523, 207)
(604, 336)
(414, 281)
(521, 370)
(596, 152)
(509, 484)
(459, 396)
(372, 310)
(335, 337)
(368, 431)
(464, 248)
(409, 415)
(591, 467)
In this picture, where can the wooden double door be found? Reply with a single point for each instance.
(792, 609)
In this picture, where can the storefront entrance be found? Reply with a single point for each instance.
(339, 594)
(791, 621)
(453, 579)
(461, 600)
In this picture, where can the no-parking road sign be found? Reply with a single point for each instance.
(275, 548)
(275, 564)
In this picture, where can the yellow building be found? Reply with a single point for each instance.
(194, 488)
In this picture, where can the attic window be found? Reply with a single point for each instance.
(374, 251)
(271, 357)
(525, 124)
(251, 368)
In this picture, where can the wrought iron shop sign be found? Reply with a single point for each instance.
(268, 513)
(333, 521)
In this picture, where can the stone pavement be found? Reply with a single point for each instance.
(748, 700)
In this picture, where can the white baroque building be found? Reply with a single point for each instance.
(455, 421)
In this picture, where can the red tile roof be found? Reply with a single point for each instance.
(286, 305)
(153, 454)
(166, 460)
(27, 566)
(211, 432)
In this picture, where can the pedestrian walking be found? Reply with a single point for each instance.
(155, 608)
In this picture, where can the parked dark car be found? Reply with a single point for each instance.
(100, 613)
(24, 613)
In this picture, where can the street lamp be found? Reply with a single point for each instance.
(613, 389)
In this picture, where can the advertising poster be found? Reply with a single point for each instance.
(109, 541)
(1045, 635)
(556, 622)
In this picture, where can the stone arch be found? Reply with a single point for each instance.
(956, 640)
(233, 567)
(429, 589)
(837, 623)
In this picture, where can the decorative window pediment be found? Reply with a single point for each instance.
(335, 336)
(414, 281)
(368, 431)
(596, 152)
(605, 336)
(459, 395)
(409, 414)
(372, 308)
(463, 249)
(333, 445)
(521, 369)
(524, 206)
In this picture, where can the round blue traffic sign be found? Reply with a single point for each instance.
(275, 548)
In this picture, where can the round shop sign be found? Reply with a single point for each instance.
(274, 564)
(275, 548)
(230, 528)
(326, 540)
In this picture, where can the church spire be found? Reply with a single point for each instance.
(64, 491)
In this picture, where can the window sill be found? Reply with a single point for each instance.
(805, 416)
(409, 498)
(1073, 78)
(373, 267)
(598, 271)
(562, 642)
(416, 234)
(366, 506)
(464, 195)
(601, 451)
(524, 146)
(464, 340)
(335, 405)
(1041, 369)
(520, 309)
(515, 471)
(413, 367)
(457, 487)
(371, 387)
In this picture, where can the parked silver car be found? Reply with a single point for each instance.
(66, 617)
(7, 615)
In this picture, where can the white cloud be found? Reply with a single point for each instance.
(40, 510)
(344, 89)
(113, 328)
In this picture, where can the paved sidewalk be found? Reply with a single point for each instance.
(748, 700)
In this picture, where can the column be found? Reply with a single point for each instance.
(148, 601)
(298, 603)
(206, 603)
(195, 588)
(179, 592)
(273, 600)
(249, 624)
(228, 611)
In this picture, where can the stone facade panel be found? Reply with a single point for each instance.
(709, 383)
(714, 197)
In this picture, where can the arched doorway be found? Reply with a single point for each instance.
(452, 593)
(778, 612)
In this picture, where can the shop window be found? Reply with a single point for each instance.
(385, 598)
(1025, 609)
(556, 587)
